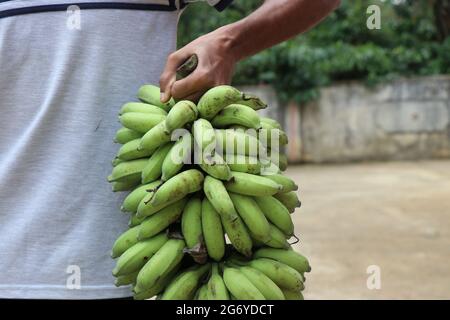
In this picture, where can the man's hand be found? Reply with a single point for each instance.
(218, 52)
(215, 67)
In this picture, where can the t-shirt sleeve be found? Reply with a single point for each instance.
(220, 5)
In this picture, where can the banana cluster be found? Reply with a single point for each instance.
(209, 205)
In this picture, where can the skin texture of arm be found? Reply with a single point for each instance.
(218, 52)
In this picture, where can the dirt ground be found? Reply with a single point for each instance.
(393, 216)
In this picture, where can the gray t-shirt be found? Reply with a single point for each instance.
(64, 74)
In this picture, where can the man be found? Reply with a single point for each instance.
(64, 73)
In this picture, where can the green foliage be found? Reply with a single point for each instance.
(339, 48)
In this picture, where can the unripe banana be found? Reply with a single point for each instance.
(160, 264)
(124, 186)
(131, 202)
(216, 167)
(289, 257)
(135, 257)
(202, 293)
(216, 99)
(284, 276)
(240, 286)
(125, 241)
(216, 289)
(277, 239)
(232, 223)
(252, 215)
(151, 94)
(153, 170)
(178, 155)
(236, 114)
(158, 287)
(272, 123)
(252, 101)
(128, 171)
(251, 185)
(269, 168)
(181, 113)
(272, 137)
(212, 231)
(277, 213)
(191, 222)
(134, 220)
(204, 136)
(161, 220)
(263, 283)
(129, 151)
(292, 295)
(123, 135)
(287, 183)
(116, 161)
(289, 200)
(231, 141)
(282, 162)
(240, 163)
(140, 122)
(126, 279)
(155, 137)
(145, 209)
(141, 108)
(184, 286)
(178, 187)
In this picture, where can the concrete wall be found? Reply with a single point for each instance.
(406, 119)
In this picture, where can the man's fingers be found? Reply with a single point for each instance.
(168, 77)
(198, 81)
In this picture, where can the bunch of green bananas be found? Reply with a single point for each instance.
(209, 207)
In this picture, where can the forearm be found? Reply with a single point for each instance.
(274, 22)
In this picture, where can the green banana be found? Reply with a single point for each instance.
(126, 279)
(216, 167)
(155, 137)
(125, 241)
(253, 217)
(240, 286)
(123, 135)
(204, 137)
(282, 162)
(252, 101)
(135, 257)
(289, 257)
(272, 137)
(161, 220)
(191, 222)
(141, 108)
(236, 114)
(134, 220)
(240, 163)
(232, 223)
(287, 183)
(202, 293)
(216, 289)
(184, 286)
(178, 187)
(131, 202)
(151, 94)
(289, 200)
(277, 239)
(153, 170)
(160, 264)
(252, 185)
(272, 123)
(179, 154)
(124, 185)
(140, 122)
(128, 171)
(231, 141)
(292, 295)
(284, 276)
(116, 161)
(277, 213)
(212, 231)
(129, 151)
(216, 99)
(263, 283)
(158, 287)
(181, 113)
(269, 168)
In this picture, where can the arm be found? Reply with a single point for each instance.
(218, 51)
